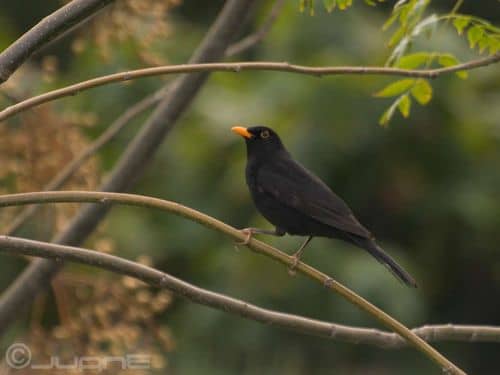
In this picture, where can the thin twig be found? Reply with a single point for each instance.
(253, 39)
(258, 246)
(238, 67)
(338, 332)
(46, 30)
(67, 172)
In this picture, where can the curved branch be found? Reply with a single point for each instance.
(258, 246)
(339, 332)
(46, 30)
(238, 67)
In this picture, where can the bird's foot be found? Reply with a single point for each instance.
(328, 283)
(249, 232)
(291, 269)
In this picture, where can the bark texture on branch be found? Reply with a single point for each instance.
(236, 67)
(46, 30)
(337, 332)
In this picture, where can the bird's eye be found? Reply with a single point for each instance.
(264, 134)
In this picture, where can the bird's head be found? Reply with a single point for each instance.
(261, 141)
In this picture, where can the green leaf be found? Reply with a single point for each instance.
(404, 12)
(404, 105)
(483, 43)
(414, 60)
(493, 45)
(398, 51)
(395, 88)
(475, 34)
(422, 91)
(447, 59)
(460, 24)
(370, 3)
(386, 116)
(388, 113)
(390, 21)
(396, 37)
(329, 5)
(427, 24)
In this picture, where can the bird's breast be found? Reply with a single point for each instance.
(251, 174)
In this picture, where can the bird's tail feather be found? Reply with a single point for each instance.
(379, 254)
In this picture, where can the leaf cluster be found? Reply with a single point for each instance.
(480, 33)
(411, 21)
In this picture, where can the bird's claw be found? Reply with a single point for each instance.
(291, 269)
(249, 233)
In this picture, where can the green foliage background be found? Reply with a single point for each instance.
(428, 186)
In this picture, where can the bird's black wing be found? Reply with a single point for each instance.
(293, 185)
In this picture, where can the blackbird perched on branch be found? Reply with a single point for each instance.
(297, 202)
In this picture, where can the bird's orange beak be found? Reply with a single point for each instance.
(240, 130)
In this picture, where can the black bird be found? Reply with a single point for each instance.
(298, 203)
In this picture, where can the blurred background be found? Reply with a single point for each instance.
(427, 186)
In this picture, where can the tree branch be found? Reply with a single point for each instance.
(339, 332)
(46, 30)
(36, 277)
(64, 175)
(258, 246)
(238, 67)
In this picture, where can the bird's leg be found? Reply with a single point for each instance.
(298, 254)
(251, 231)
